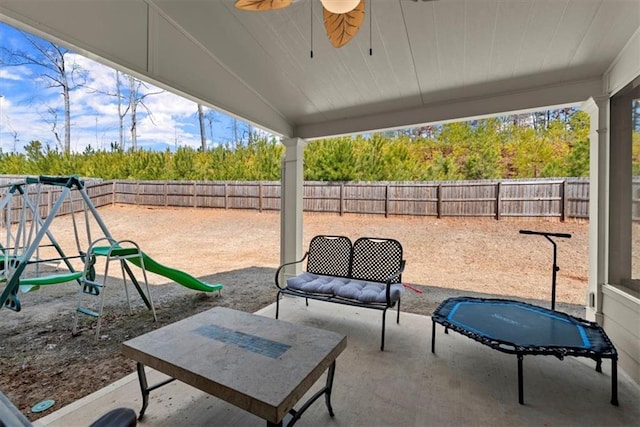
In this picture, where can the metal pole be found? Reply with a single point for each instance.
(554, 273)
(554, 267)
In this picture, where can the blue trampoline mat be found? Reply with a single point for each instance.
(520, 324)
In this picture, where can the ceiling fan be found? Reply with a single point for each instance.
(342, 18)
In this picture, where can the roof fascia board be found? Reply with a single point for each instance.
(626, 66)
(570, 93)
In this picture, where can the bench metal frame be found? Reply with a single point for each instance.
(370, 259)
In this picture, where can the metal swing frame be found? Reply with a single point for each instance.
(15, 267)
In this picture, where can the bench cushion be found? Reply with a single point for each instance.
(358, 290)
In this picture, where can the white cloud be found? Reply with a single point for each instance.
(94, 111)
(8, 74)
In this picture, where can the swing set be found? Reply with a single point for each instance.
(30, 246)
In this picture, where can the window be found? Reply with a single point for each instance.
(624, 188)
(635, 192)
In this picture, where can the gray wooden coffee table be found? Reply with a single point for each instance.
(256, 363)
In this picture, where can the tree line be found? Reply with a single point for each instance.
(508, 147)
(549, 143)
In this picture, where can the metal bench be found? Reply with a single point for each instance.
(367, 274)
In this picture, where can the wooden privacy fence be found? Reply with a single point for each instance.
(44, 196)
(549, 198)
(501, 198)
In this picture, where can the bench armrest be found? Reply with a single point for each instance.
(285, 265)
(391, 278)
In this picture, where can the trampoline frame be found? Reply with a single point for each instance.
(521, 350)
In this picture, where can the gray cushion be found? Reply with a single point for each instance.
(369, 291)
(315, 283)
(358, 290)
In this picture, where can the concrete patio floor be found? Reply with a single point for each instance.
(463, 383)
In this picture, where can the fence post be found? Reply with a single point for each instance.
(113, 193)
(49, 202)
(386, 201)
(195, 194)
(226, 196)
(498, 201)
(165, 194)
(341, 198)
(260, 196)
(439, 201)
(563, 201)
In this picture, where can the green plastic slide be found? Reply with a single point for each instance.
(180, 277)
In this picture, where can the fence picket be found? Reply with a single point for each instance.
(546, 198)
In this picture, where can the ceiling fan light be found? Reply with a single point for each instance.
(340, 6)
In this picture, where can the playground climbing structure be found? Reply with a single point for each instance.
(29, 244)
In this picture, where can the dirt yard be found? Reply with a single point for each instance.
(40, 359)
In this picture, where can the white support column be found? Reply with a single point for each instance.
(598, 110)
(291, 192)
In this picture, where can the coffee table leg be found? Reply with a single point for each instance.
(145, 389)
(326, 390)
(142, 377)
(329, 387)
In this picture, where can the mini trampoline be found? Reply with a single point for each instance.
(519, 328)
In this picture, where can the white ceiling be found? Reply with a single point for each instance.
(432, 61)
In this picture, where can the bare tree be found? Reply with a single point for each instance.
(14, 136)
(51, 118)
(211, 119)
(121, 113)
(57, 72)
(137, 98)
(128, 96)
(242, 131)
(203, 136)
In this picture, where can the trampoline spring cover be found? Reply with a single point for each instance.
(518, 327)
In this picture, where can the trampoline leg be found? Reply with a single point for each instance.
(433, 337)
(398, 317)
(520, 386)
(598, 365)
(614, 381)
(277, 304)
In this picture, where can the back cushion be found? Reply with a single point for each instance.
(375, 260)
(329, 256)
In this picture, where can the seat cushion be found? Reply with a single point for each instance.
(315, 283)
(369, 291)
(358, 290)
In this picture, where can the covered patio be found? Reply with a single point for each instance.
(463, 383)
(430, 62)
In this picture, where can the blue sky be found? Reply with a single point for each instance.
(26, 102)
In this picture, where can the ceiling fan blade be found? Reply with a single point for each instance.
(258, 5)
(342, 27)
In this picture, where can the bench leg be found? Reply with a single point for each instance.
(614, 381)
(384, 318)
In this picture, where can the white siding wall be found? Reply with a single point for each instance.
(621, 310)
(620, 305)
